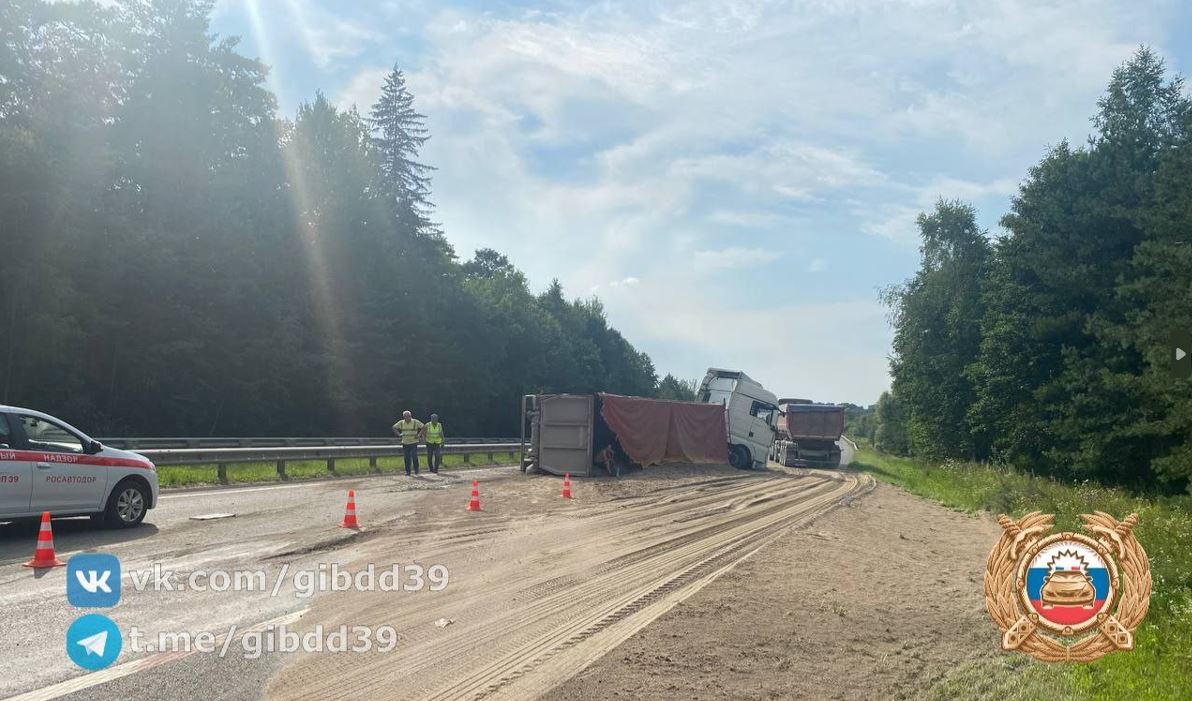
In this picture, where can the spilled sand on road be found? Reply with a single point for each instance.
(872, 600)
(541, 587)
(877, 600)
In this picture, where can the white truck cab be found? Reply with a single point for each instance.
(749, 411)
(48, 465)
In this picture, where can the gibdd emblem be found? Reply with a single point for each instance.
(1067, 597)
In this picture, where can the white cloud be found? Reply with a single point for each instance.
(327, 35)
(734, 258)
(896, 223)
(949, 188)
(592, 141)
(699, 328)
(745, 219)
(623, 282)
(363, 89)
(792, 169)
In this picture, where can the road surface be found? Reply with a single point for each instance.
(539, 587)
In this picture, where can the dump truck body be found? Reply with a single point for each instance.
(585, 434)
(808, 434)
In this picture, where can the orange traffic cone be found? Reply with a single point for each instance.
(350, 515)
(566, 485)
(44, 555)
(474, 504)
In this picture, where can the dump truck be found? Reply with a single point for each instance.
(808, 434)
(749, 414)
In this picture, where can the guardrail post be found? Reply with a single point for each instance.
(372, 465)
(490, 457)
(331, 465)
(467, 458)
(281, 470)
(221, 473)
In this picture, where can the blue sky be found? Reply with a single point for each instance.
(735, 180)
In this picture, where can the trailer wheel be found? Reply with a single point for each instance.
(739, 457)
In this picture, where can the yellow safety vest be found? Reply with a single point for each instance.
(409, 430)
(434, 433)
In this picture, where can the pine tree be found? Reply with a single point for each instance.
(399, 131)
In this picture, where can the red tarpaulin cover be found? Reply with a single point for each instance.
(656, 430)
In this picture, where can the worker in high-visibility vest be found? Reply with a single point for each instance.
(433, 430)
(410, 431)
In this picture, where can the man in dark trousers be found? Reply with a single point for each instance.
(410, 431)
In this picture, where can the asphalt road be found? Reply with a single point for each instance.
(273, 526)
(276, 535)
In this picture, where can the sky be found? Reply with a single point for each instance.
(735, 180)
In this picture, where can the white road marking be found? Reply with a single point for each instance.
(221, 492)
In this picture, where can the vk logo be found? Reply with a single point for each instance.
(93, 641)
(93, 581)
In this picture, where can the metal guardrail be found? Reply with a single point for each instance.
(150, 443)
(223, 457)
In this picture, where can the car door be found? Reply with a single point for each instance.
(65, 479)
(16, 471)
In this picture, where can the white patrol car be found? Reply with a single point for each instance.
(49, 465)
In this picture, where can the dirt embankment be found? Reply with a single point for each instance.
(875, 600)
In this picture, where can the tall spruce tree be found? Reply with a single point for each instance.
(399, 131)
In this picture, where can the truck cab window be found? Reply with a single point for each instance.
(763, 411)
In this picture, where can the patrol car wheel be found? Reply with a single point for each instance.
(126, 505)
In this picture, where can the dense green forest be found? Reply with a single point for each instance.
(178, 258)
(1049, 348)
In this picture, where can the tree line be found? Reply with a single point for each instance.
(1050, 347)
(176, 257)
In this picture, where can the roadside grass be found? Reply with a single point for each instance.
(1160, 666)
(260, 472)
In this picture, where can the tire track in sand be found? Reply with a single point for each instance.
(621, 566)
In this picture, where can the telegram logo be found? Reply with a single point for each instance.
(93, 641)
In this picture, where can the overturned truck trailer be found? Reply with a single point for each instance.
(590, 434)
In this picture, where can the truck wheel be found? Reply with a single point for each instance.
(127, 505)
(738, 457)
